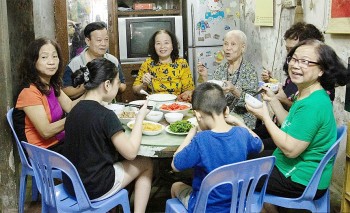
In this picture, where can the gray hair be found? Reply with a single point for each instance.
(239, 33)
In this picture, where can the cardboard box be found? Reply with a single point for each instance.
(144, 6)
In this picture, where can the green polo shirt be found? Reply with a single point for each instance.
(312, 120)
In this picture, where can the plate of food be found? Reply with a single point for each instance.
(148, 127)
(179, 127)
(181, 107)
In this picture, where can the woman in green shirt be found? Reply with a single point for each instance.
(309, 129)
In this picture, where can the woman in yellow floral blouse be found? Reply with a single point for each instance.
(164, 71)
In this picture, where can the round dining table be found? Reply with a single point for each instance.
(164, 144)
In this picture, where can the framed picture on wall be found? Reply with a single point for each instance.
(339, 21)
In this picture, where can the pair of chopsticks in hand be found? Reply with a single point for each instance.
(258, 92)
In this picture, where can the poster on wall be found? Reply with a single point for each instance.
(264, 13)
(339, 21)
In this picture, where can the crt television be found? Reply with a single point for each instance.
(135, 32)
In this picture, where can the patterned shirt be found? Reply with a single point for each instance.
(173, 78)
(246, 80)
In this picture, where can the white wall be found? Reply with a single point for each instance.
(266, 48)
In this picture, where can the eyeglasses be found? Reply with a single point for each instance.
(301, 62)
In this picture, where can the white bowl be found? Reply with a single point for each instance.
(272, 86)
(123, 115)
(251, 101)
(154, 116)
(193, 121)
(162, 98)
(173, 117)
(220, 83)
(159, 127)
(117, 108)
(166, 107)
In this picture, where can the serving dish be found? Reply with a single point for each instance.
(175, 107)
(162, 98)
(167, 129)
(148, 132)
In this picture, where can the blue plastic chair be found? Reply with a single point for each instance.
(243, 176)
(306, 200)
(26, 169)
(56, 198)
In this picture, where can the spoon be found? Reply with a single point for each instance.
(144, 92)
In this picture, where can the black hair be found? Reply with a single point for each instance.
(96, 71)
(28, 74)
(334, 71)
(94, 26)
(209, 98)
(152, 51)
(302, 31)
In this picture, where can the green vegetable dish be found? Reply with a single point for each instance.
(180, 126)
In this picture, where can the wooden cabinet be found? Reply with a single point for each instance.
(164, 8)
(345, 203)
(130, 70)
(130, 73)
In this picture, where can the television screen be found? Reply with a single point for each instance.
(140, 31)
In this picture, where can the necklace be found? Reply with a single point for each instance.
(237, 73)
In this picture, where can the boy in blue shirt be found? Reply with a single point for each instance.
(216, 145)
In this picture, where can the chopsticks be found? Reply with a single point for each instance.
(135, 105)
(258, 92)
(151, 84)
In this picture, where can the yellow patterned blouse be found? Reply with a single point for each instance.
(173, 78)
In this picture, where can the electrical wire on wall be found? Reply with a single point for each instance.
(277, 40)
(327, 13)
